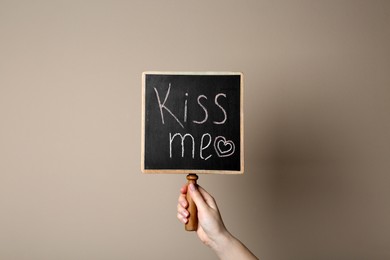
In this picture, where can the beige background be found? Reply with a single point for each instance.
(317, 128)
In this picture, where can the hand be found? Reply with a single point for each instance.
(211, 229)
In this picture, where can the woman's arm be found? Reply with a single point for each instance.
(211, 230)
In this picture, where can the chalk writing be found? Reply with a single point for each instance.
(223, 147)
(205, 147)
(223, 110)
(162, 106)
(183, 137)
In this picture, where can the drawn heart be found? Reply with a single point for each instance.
(223, 147)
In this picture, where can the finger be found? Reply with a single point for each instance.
(182, 219)
(197, 197)
(183, 201)
(183, 189)
(208, 198)
(184, 213)
(182, 210)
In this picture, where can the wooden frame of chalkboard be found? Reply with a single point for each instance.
(192, 122)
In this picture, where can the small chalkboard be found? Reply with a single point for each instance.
(192, 122)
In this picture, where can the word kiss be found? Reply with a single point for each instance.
(163, 107)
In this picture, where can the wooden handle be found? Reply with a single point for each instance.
(192, 224)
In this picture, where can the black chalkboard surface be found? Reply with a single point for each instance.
(192, 122)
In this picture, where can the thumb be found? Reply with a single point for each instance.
(197, 197)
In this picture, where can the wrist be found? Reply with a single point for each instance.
(222, 242)
(227, 247)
